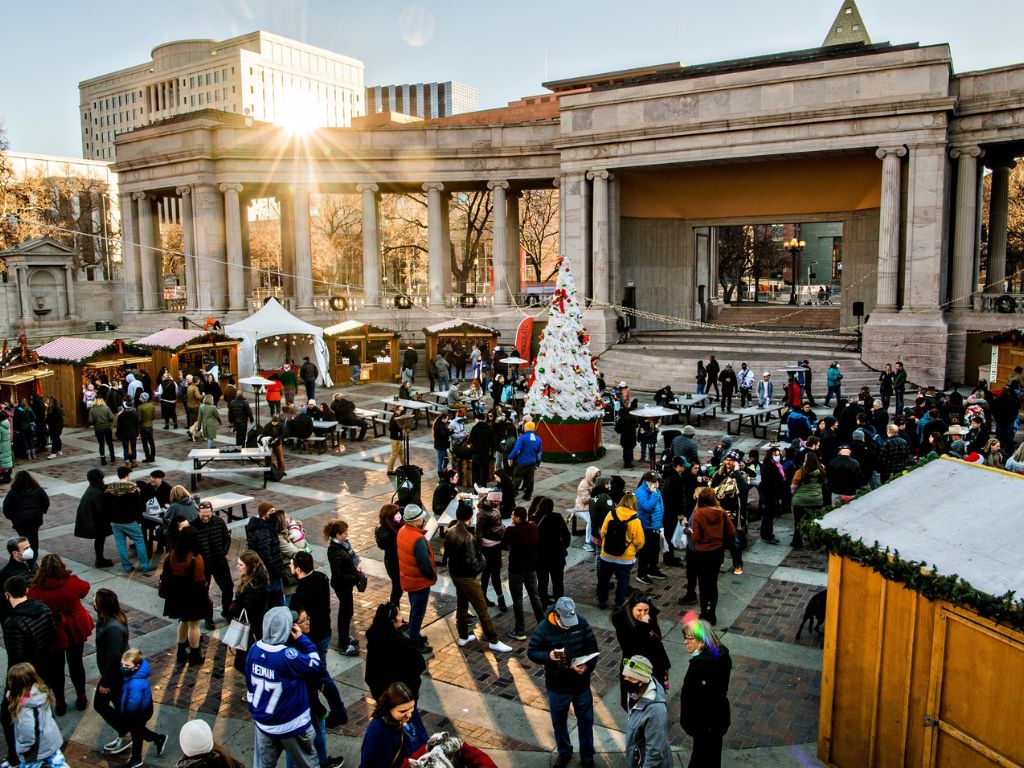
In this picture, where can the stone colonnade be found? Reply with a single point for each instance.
(215, 241)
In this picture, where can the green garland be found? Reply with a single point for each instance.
(218, 338)
(129, 349)
(918, 576)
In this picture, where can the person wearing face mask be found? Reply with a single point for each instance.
(90, 521)
(650, 509)
(773, 487)
(638, 633)
(395, 731)
(647, 725)
(22, 563)
(731, 488)
(705, 714)
(389, 520)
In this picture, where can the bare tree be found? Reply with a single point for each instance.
(1014, 225)
(539, 235)
(735, 247)
(337, 242)
(404, 241)
(7, 198)
(470, 229)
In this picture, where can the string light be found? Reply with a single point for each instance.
(517, 309)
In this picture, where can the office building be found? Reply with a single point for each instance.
(423, 100)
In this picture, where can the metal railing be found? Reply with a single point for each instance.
(1001, 303)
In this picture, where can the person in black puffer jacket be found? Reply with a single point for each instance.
(25, 505)
(390, 655)
(388, 522)
(261, 539)
(554, 538)
(239, 417)
(214, 540)
(345, 573)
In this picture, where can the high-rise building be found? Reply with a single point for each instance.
(424, 100)
(265, 76)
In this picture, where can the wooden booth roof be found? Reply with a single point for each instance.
(355, 327)
(950, 514)
(456, 325)
(68, 349)
(176, 339)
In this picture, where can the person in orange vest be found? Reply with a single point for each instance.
(416, 570)
(275, 389)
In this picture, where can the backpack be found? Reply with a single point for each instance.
(615, 536)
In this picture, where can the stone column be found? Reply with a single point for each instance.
(889, 229)
(188, 243)
(303, 250)
(149, 275)
(435, 244)
(998, 214)
(233, 246)
(499, 240)
(210, 256)
(371, 243)
(966, 225)
(614, 242)
(446, 244)
(927, 232)
(69, 287)
(21, 276)
(599, 238)
(129, 254)
(514, 268)
(287, 244)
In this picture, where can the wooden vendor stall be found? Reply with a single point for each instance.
(378, 351)
(23, 374)
(1007, 354)
(190, 350)
(76, 361)
(924, 642)
(459, 332)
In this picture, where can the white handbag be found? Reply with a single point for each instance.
(237, 634)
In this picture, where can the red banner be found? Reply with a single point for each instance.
(524, 338)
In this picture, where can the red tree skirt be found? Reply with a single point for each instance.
(571, 441)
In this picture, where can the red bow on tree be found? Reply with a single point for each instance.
(548, 391)
(560, 297)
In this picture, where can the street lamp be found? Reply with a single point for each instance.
(795, 248)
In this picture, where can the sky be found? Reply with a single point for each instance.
(505, 49)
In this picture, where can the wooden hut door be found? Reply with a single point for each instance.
(974, 706)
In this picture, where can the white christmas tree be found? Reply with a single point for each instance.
(564, 385)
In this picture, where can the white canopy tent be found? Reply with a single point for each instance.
(270, 321)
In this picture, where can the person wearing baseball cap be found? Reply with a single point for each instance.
(647, 725)
(731, 487)
(416, 570)
(562, 637)
(526, 456)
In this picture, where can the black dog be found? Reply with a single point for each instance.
(814, 612)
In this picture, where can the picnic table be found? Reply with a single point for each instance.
(248, 460)
(689, 402)
(756, 416)
(415, 406)
(324, 430)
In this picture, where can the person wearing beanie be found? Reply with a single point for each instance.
(685, 446)
(275, 680)
(416, 570)
(647, 725)
(719, 452)
(526, 456)
(464, 563)
(746, 383)
(729, 383)
(199, 750)
(765, 390)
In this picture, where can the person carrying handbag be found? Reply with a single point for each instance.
(345, 576)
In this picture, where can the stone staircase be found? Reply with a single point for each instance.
(656, 358)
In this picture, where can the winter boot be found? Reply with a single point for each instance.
(195, 657)
(182, 653)
(502, 606)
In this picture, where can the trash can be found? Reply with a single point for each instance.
(408, 480)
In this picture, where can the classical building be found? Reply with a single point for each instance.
(423, 100)
(267, 77)
(884, 141)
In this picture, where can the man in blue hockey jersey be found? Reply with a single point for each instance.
(275, 681)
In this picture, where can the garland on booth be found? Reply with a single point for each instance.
(210, 338)
(915, 575)
(119, 346)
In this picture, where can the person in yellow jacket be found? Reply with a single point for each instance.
(622, 537)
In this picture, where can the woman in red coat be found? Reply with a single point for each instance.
(62, 592)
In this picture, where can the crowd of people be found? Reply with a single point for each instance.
(686, 512)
